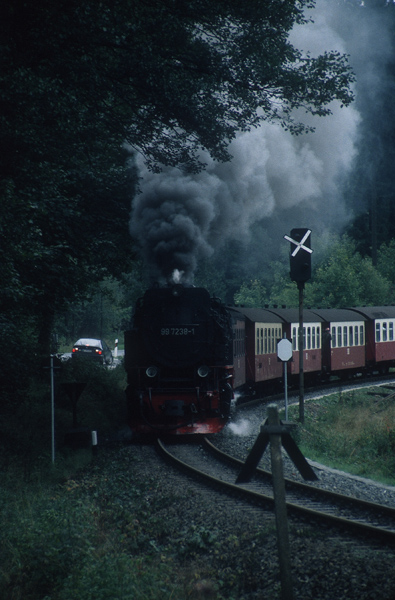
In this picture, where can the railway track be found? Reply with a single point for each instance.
(304, 501)
(323, 388)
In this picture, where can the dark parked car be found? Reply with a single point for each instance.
(93, 349)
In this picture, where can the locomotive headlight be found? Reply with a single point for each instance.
(203, 371)
(151, 371)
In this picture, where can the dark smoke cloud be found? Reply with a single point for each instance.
(171, 219)
(274, 178)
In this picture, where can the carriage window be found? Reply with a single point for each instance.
(391, 331)
(351, 335)
(361, 336)
(378, 337)
(333, 337)
(384, 332)
(339, 337)
(356, 335)
(294, 338)
(308, 338)
(304, 338)
(313, 337)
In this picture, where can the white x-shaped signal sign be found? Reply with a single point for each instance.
(299, 245)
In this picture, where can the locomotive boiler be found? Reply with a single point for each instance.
(179, 363)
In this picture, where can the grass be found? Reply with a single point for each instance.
(352, 431)
(100, 530)
(62, 534)
(58, 544)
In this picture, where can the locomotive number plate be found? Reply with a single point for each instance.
(178, 331)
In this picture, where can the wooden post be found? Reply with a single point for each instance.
(280, 505)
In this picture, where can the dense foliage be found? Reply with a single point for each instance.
(80, 81)
(341, 278)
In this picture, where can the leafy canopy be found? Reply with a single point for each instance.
(167, 76)
(79, 80)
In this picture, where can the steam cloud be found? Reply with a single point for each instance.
(275, 178)
(241, 428)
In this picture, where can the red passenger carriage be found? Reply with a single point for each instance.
(263, 330)
(380, 336)
(311, 340)
(343, 342)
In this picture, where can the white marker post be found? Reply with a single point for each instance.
(284, 353)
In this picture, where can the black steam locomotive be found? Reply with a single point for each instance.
(179, 363)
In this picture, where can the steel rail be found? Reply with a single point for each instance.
(299, 510)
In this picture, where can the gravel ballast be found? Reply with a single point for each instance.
(223, 549)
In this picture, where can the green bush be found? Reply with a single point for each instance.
(25, 425)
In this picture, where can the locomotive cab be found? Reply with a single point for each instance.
(178, 361)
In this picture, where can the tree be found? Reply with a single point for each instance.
(342, 278)
(347, 279)
(167, 77)
(386, 265)
(253, 294)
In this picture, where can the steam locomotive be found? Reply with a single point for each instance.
(186, 354)
(179, 363)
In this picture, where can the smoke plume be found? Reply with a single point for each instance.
(274, 178)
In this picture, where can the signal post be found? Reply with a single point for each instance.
(300, 264)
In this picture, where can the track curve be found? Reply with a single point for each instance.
(304, 501)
